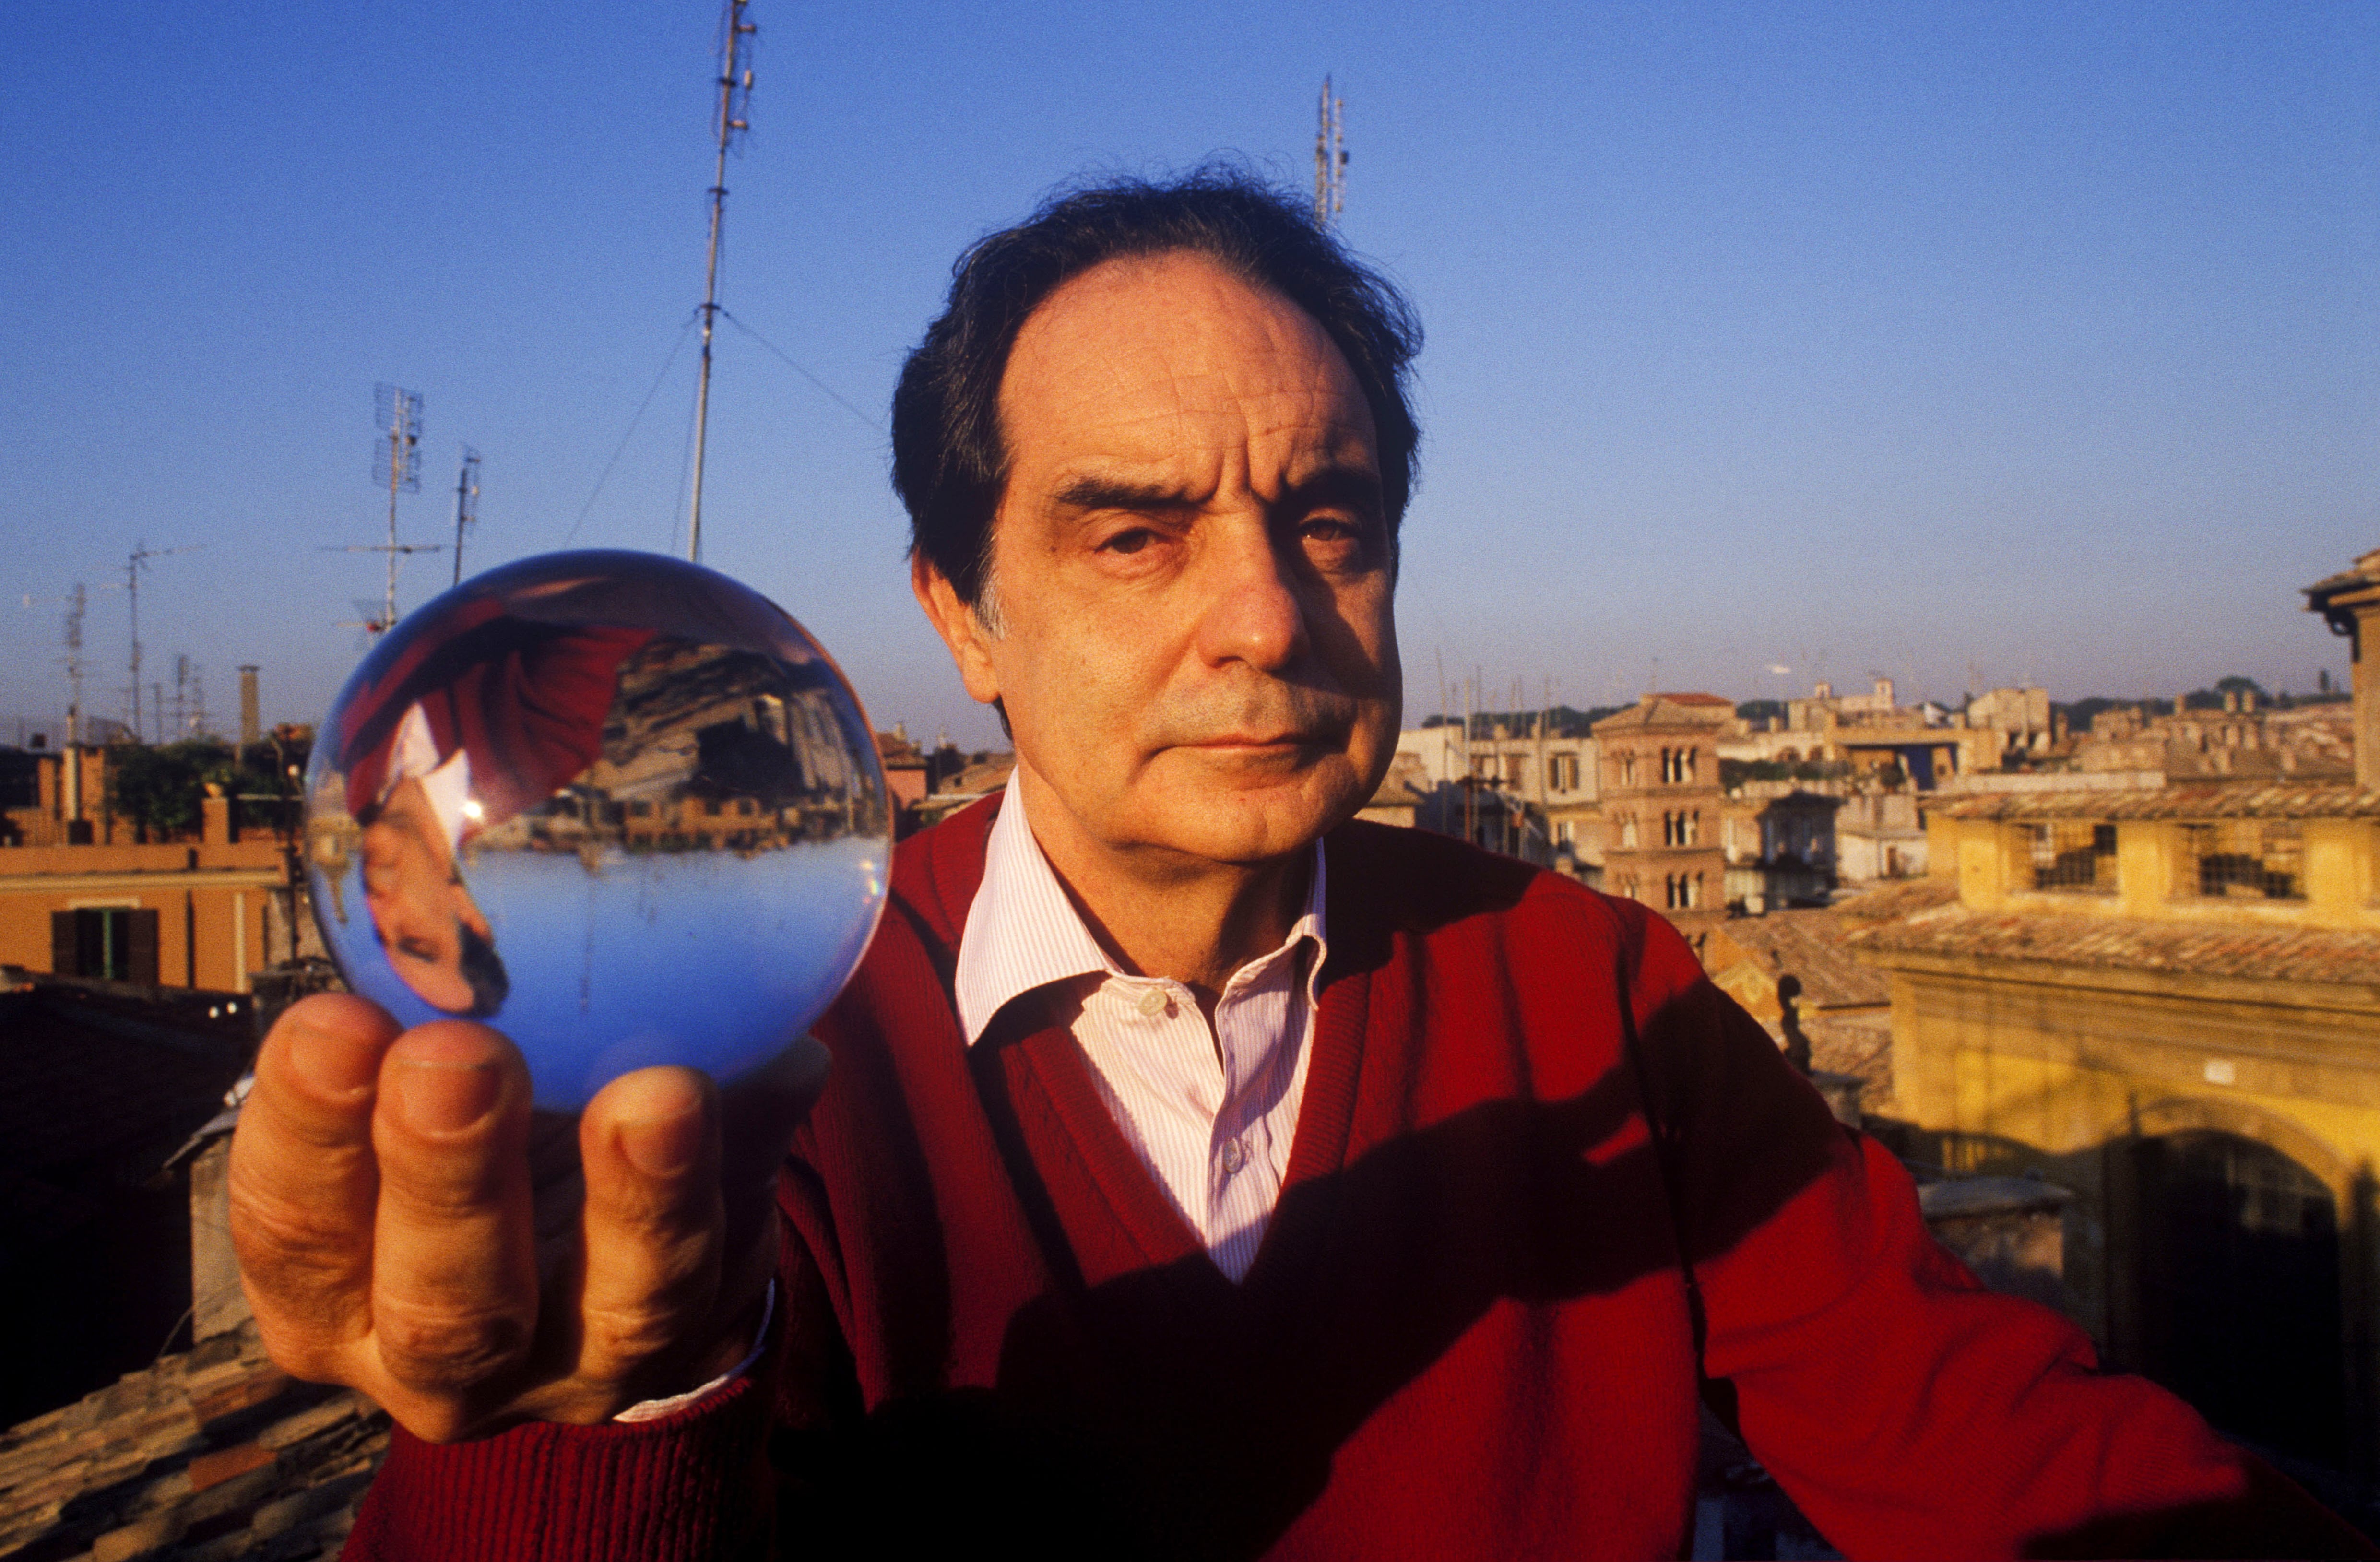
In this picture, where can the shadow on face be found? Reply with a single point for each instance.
(436, 940)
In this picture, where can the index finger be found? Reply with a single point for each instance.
(304, 1182)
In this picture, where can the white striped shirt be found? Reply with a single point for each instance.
(1210, 1113)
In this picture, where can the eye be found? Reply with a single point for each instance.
(1331, 540)
(1131, 541)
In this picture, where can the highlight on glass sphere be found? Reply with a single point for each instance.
(620, 807)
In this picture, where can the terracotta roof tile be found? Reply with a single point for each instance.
(2330, 956)
(2287, 800)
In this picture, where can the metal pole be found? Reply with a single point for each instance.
(728, 125)
(465, 511)
(132, 588)
(395, 479)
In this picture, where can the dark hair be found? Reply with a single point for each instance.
(949, 462)
(484, 969)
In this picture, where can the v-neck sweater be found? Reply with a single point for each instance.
(1550, 1191)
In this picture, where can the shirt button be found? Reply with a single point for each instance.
(1235, 1157)
(1152, 1002)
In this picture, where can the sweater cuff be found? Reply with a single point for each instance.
(691, 1485)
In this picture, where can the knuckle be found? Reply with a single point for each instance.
(447, 1350)
(292, 1250)
(299, 1349)
(621, 1336)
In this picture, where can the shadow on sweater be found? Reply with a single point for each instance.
(1170, 1412)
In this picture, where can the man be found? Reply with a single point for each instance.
(1199, 1174)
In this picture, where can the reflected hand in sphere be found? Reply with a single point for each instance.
(619, 806)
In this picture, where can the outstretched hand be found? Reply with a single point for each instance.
(393, 1236)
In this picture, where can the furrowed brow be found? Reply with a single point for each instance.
(1110, 493)
(1352, 486)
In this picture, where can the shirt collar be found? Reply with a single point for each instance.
(1022, 932)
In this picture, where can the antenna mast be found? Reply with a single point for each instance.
(466, 504)
(74, 665)
(396, 462)
(142, 554)
(398, 412)
(735, 101)
(1330, 158)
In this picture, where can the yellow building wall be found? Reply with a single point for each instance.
(213, 920)
(2015, 1066)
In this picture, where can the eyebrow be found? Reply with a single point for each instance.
(1351, 486)
(1114, 493)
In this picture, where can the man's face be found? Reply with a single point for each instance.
(1192, 572)
(418, 905)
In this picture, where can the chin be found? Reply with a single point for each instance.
(1254, 824)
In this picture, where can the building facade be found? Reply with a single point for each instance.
(1663, 805)
(209, 914)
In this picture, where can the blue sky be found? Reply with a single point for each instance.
(1964, 343)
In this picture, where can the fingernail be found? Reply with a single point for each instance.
(332, 1063)
(444, 1097)
(662, 1146)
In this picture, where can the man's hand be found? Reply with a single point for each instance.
(388, 1227)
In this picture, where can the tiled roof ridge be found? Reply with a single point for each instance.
(2291, 800)
(2328, 956)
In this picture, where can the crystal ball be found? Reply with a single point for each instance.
(620, 807)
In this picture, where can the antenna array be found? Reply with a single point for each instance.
(397, 464)
(138, 561)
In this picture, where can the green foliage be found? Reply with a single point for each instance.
(161, 789)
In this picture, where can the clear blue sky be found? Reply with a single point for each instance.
(1964, 343)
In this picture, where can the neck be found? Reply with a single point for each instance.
(1162, 914)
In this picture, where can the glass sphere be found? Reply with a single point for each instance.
(620, 807)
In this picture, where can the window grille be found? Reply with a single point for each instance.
(2250, 860)
(2075, 858)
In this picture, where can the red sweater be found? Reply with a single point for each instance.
(1543, 1171)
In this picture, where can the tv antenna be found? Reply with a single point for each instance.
(466, 504)
(1330, 158)
(735, 108)
(138, 561)
(396, 462)
(76, 602)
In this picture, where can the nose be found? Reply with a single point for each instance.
(1253, 612)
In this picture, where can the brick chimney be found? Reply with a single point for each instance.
(216, 827)
(2350, 603)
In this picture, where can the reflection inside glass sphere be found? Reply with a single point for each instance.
(619, 806)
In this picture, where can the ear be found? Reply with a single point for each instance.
(956, 623)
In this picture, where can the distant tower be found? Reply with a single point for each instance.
(251, 726)
(734, 106)
(1329, 160)
(466, 504)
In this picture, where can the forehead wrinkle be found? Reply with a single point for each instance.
(1127, 365)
